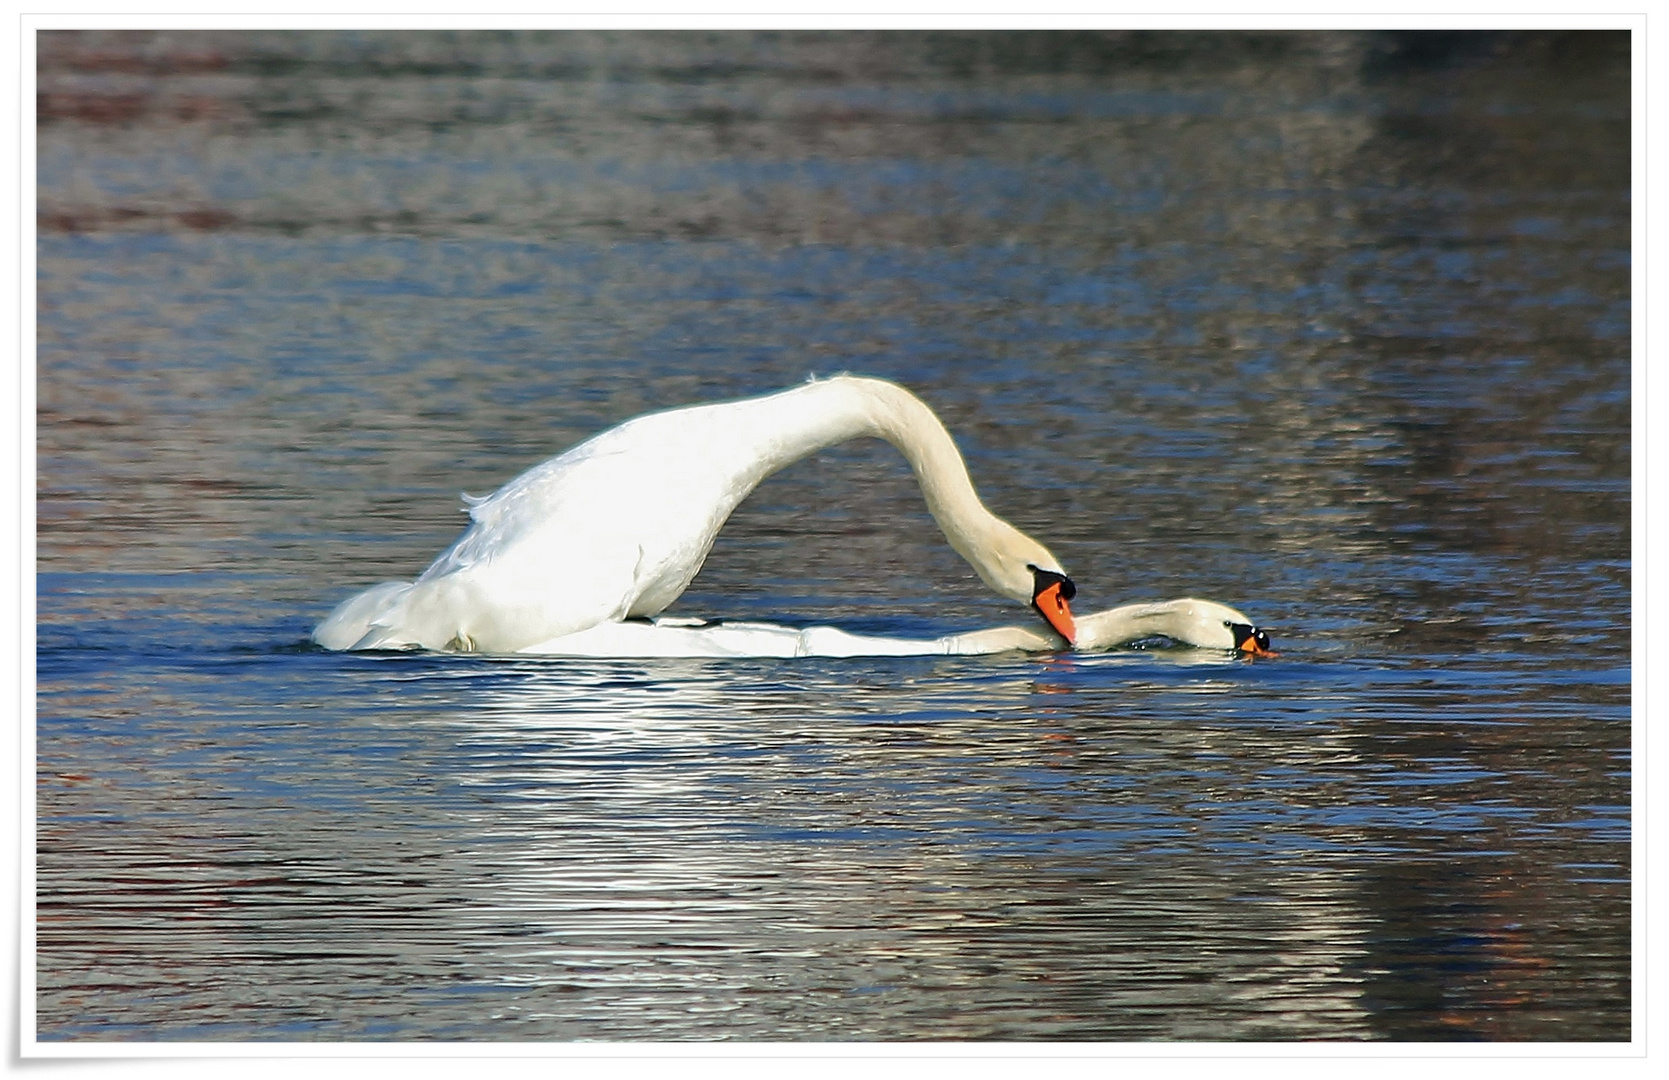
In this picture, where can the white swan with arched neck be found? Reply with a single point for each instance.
(617, 527)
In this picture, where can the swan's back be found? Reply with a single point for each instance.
(614, 527)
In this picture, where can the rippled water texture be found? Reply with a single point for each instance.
(1330, 328)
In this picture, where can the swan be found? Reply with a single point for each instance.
(1189, 621)
(617, 527)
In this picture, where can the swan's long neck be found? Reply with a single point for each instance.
(821, 414)
(1190, 621)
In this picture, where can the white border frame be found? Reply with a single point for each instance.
(178, 1058)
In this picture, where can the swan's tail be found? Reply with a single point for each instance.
(352, 619)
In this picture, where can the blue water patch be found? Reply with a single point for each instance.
(1329, 328)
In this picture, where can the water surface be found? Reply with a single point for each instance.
(1331, 328)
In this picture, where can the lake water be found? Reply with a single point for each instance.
(1331, 328)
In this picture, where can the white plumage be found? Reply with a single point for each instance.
(1189, 621)
(619, 525)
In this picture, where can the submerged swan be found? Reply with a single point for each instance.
(1189, 621)
(617, 527)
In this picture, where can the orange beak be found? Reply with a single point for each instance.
(1052, 606)
(1256, 643)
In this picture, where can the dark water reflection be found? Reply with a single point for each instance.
(1330, 327)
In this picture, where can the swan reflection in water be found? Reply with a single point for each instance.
(766, 837)
(577, 555)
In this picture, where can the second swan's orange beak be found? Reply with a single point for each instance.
(1250, 640)
(1053, 591)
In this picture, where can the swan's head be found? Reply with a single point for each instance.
(1250, 640)
(1019, 567)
